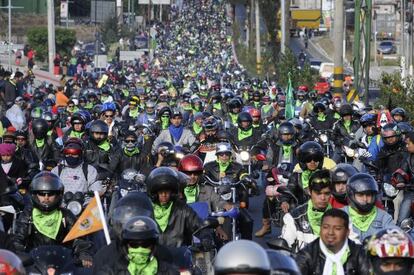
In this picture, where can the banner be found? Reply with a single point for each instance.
(289, 108)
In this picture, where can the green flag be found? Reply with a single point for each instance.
(289, 108)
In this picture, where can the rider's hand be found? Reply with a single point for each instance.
(221, 234)
(400, 185)
(87, 263)
(285, 207)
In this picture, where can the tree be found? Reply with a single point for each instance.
(37, 39)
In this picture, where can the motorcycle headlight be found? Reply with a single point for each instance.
(389, 190)
(407, 225)
(179, 155)
(75, 207)
(226, 196)
(124, 192)
(244, 156)
(349, 152)
(324, 138)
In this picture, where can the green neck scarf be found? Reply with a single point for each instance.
(233, 118)
(133, 113)
(298, 103)
(369, 138)
(256, 125)
(47, 223)
(223, 166)
(287, 151)
(266, 108)
(347, 125)
(191, 193)
(89, 105)
(49, 133)
(241, 134)
(161, 214)
(197, 128)
(337, 116)
(131, 153)
(256, 104)
(75, 134)
(315, 217)
(40, 143)
(362, 222)
(305, 176)
(1, 129)
(217, 106)
(321, 117)
(141, 262)
(188, 108)
(165, 122)
(105, 146)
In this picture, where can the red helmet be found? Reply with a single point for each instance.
(73, 146)
(254, 112)
(190, 163)
(303, 88)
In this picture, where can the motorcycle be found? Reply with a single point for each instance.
(51, 259)
(323, 138)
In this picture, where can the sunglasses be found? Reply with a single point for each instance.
(136, 244)
(224, 154)
(311, 158)
(321, 181)
(130, 141)
(71, 106)
(190, 173)
(108, 116)
(44, 194)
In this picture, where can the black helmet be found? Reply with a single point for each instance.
(133, 204)
(286, 128)
(234, 103)
(140, 228)
(341, 173)
(244, 116)
(308, 151)
(162, 178)
(98, 126)
(361, 183)
(405, 127)
(40, 128)
(49, 116)
(281, 261)
(319, 106)
(165, 111)
(78, 118)
(399, 111)
(210, 124)
(390, 130)
(46, 182)
(346, 110)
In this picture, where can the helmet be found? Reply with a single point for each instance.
(255, 112)
(282, 262)
(390, 130)
(73, 146)
(210, 124)
(234, 103)
(165, 111)
(10, 264)
(36, 113)
(244, 116)
(46, 182)
(361, 183)
(132, 204)
(319, 106)
(140, 228)
(108, 106)
(399, 111)
(162, 178)
(191, 163)
(49, 116)
(368, 119)
(242, 256)
(310, 150)
(346, 110)
(391, 243)
(79, 118)
(341, 173)
(303, 88)
(223, 147)
(40, 128)
(405, 127)
(98, 126)
(286, 128)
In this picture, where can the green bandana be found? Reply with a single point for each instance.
(305, 176)
(337, 116)
(197, 128)
(217, 106)
(241, 134)
(131, 153)
(161, 214)
(105, 146)
(223, 166)
(191, 193)
(40, 143)
(141, 262)
(298, 103)
(133, 113)
(75, 134)
(315, 217)
(321, 117)
(165, 122)
(256, 104)
(89, 105)
(266, 108)
(256, 125)
(188, 108)
(49, 133)
(47, 223)
(347, 125)
(233, 118)
(287, 151)
(362, 222)
(369, 139)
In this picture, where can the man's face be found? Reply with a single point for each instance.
(286, 137)
(392, 264)
(245, 124)
(333, 233)
(46, 198)
(364, 198)
(21, 141)
(320, 199)
(347, 117)
(398, 118)
(390, 140)
(6, 158)
(369, 130)
(194, 177)
(164, 196)
(340, 187)
(312, 165)
(108, 116)
(409, 145)
(77, 127)
(176, 121)
(224, 157)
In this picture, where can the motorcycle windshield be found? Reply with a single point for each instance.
(201, 208)
(52, 256)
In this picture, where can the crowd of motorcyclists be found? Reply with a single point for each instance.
(177, 144)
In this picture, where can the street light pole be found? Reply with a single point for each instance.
(51, 33)
(283, 27)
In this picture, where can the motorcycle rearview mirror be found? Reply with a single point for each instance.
(407, 225)
(279, 244)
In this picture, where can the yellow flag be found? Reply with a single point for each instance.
(102, 81)
(89, 222)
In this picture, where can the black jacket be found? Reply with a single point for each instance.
(390, 158)
(296, 188)
(28, 237)
(408, 167)
(105, 162)
(182, 223)
(340, 134)
(311, 260)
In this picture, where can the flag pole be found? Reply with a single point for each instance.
(101, 213)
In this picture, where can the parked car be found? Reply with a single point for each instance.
(386, 47)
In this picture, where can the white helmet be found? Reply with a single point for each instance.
(223, 147)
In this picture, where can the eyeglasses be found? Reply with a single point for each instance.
(130, 141)
(44, 194)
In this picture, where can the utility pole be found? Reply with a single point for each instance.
(402, 43)
(258, 49)
(51, 33)
(338, 52)
(119, 15)
(9, 7)
(283, 27)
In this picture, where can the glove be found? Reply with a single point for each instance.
(366, 154)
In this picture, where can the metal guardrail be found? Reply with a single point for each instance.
(5, 48)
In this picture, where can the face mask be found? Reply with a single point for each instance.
(73, 161)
